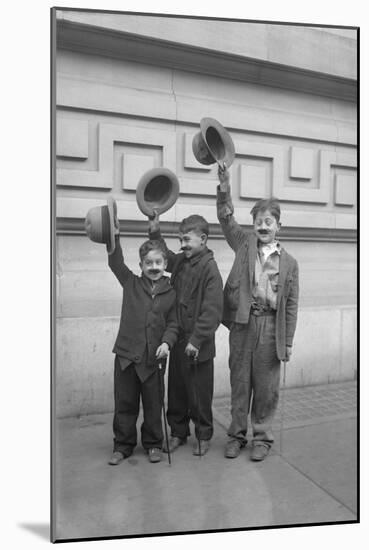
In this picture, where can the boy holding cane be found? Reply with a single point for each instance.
(148, 329)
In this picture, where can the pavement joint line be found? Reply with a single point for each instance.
(291, 424)
(305, 406)
(317, 485)
(325, 420)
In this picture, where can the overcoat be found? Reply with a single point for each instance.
(238, 288)
(201, 298)
(148, 316)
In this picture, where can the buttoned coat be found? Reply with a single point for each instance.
(239, 285)
(202, 298)
(148, 316)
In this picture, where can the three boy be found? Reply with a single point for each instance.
(260, 309)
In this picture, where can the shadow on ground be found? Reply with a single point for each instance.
(42, 530)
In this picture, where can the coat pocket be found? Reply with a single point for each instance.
(232, 294)
(289, 280)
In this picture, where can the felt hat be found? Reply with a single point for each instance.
(100, 225)
(157, 189)
(213, 143)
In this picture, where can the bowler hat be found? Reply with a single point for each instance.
(100, 224)
(213, 143)
(158, 189)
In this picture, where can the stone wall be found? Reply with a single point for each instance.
(128, 100)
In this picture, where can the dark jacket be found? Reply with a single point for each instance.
(148, 317)
(201, 300)
(238, 288)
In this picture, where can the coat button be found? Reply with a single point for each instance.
(137, 358)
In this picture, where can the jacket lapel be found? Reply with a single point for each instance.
(161, 286)
(193, 276)
(196, 273)
(180, 258)
(283, 268)
(252, 251)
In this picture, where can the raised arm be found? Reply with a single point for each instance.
(117, 265)
(155, 234)
(232, 231)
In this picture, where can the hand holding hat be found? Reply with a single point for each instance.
(213, 144)
(157, 191)
(223, 175)
(102, 225)
(154, 225)
(116, 222)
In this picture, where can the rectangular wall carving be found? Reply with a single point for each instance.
(345, 189)
(298, 175)
(301, 163)
(134, 167)
(108, 135)
(72, 138)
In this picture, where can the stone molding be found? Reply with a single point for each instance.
(96, 40)
(85, 96)
(135, 228)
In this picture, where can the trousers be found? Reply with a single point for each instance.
(128, 389)
(255, 375)
(190, 394)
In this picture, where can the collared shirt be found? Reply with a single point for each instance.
(266, 274)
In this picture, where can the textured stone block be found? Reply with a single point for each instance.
(301, 163)
(253, 181)
(345, 192)
(72, 138)
(133, 167)
(84, 372)
(198, 187)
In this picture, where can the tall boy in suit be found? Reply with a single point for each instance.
(260, 309)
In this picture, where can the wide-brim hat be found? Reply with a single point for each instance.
(100, 226)
(158, 189)
(213, 143)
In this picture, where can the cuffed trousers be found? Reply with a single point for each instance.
(255, 371)
(190, 395)
(128, 389)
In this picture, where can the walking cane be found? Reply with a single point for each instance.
(161, 376)
(197, 426)
(282, 409)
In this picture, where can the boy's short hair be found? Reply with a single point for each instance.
(262, 205)
(195, 223)
(153, 244)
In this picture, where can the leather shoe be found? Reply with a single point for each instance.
(259, 452)
(201, 447)
(155, 455)
(116, 458)
(174, 443)
(232, 449)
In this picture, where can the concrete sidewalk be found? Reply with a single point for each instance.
(312, 481)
